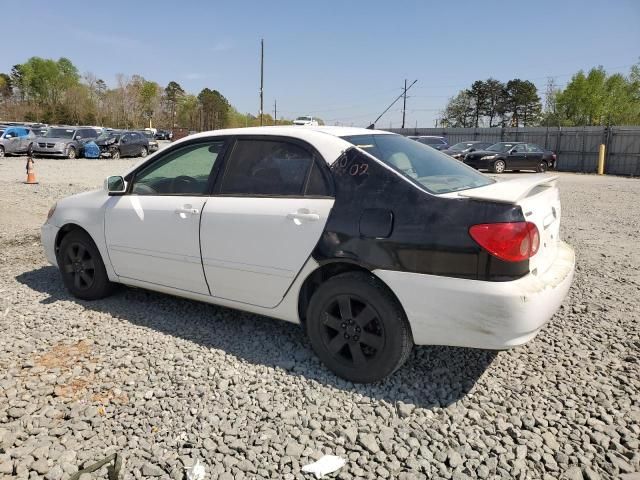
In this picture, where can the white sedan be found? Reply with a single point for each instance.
(372, 241)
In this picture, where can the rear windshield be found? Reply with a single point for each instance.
(429, 168)
(430, 140)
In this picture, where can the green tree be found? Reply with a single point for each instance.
(495, 100)
(459, 111)
(173, 93)
(522, 103)
(478, 95)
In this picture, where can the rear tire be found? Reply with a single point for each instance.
(499, 166)
(357, 328)
(542, 167)
(82, 268)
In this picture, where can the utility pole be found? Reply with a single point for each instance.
(404, 103)
(275, 112)
(261, 78)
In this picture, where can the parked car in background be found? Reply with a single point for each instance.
(306, 121)
(153, 143)
(439, 143)
(66, 142)
(16, 140)
(515, 156)
(117, 144)
(460, 149)
(163, 135)
(371, 241)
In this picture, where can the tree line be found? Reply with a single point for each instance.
(53, 92)
(594, 98)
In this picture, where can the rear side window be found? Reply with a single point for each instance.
(267, 167)
(533, 148)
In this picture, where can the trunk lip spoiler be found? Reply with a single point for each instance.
(509, 191)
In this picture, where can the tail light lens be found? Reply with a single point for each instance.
(512, 242)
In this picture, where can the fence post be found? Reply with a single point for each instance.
(607, 143)
(584, 136)
(601, 153)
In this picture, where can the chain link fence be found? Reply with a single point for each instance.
(575, 147)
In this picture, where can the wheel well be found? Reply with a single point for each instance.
(64, 231)
(324, 273)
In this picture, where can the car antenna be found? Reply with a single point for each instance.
(404, 92)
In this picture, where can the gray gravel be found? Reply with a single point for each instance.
(164, 381)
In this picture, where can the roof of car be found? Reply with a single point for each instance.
(326, 139)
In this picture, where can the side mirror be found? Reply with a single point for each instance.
(115, 185)
(8, 135)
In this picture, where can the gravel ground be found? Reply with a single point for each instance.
(164, 381)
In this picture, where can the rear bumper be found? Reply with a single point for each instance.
(479, 314)
(48, 233)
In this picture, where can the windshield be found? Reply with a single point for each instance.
(430, 140)
(60, 133)
(147, 134)
(462, 146)
(305, 119)
(1, 132)
(106, 135)
(431, 169)
(500, 147)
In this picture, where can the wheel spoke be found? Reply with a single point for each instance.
(365, 316)
(333, 322)
(81, 252)
(68, 268)
(86, 277)
(357, 355)
(344, 302)
(88, 264)
(76, 280)
(372, 340)
(336, 344)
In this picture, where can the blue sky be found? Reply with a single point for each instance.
(343, 61)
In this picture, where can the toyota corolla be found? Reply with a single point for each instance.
(371, 241)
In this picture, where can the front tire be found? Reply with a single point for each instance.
(115, 154)
(357, 328)
(144, 152)
(1, 152)
(71, 153)
(30, 150)
(499, 166)
(82, 268)
(542, 167)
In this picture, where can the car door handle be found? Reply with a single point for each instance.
(191, 211)
(304, 216)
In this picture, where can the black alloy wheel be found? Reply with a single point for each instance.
(357, 328)
(77, 261)
(82, 268)
(352, 330)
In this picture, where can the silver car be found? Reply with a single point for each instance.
(66, 142)
(15, 140)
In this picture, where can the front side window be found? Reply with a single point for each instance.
(184, 171)
(432, 170)
(266, 167)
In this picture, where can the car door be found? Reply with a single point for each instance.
(152, 232)
(517, 158)
(534, 155)
(268, 213)
(125, 145)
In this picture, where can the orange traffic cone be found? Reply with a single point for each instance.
(31, 173)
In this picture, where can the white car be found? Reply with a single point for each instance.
(370, 240)
(306, 121)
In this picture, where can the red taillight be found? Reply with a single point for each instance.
(513, 242)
